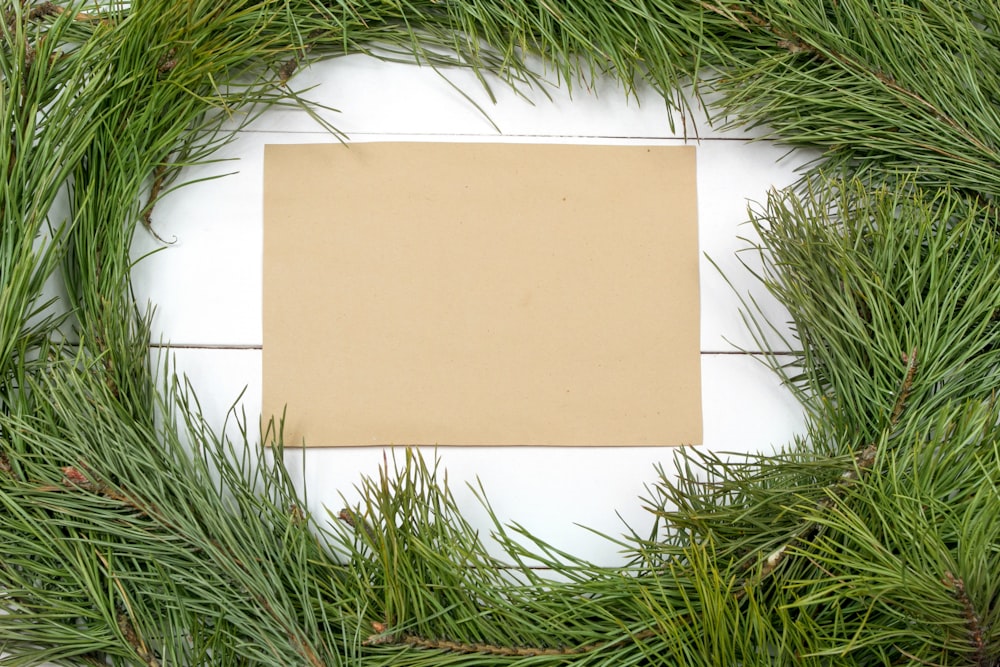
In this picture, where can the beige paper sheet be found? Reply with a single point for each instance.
(481, 294)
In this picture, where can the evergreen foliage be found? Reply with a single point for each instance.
(135, 535)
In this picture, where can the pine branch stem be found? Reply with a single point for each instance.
(491, 649)
(128, 631)
(904, 393)
(159, 180)
(795, 43)
(124, 618)
(51, 9)
(301, 645)
(384, 636)
(864, 460)
(358, 522)
(973, 621)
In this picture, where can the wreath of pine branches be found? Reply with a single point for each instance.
(132, 534)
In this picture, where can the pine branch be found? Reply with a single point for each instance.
(886, 107)
(972, 619)
(795, 44)
(864, 460)
(112, 525)
(384, 635)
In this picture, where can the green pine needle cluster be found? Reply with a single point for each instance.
(133, 534)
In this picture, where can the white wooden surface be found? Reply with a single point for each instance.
(207, 286)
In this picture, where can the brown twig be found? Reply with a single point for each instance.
(911, 368)
(159, 180)
(167, 63)
(491, 649)
(354, 520)
(286, 70)
(82, 478)
(135, 641)
(74, 478)
(44, 9)
(29, 58)
(973, 622)
(383, 635)
(51, 9)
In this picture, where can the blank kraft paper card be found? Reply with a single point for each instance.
(481, 294)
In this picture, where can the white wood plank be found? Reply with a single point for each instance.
(373, 96)
(732, 177)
